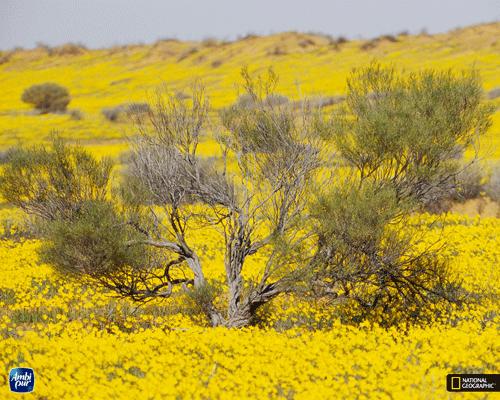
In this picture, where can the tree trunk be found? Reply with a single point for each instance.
(194, 265)
(240, 317)
(235, 256)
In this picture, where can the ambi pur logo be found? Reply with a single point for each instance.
(22, 380)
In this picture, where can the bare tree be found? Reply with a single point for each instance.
(255, 192)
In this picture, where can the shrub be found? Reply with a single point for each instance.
(469, 182)
(492, 188)
(188, 53)
(304, 43)
(465, 185)
(180, 95)
(388, 38)
(277, 51)
(320, 102)
(112, 113)
(4, 156)
(245, 100)
(216, 63)
(368, 45)
(494, 93)
(210, 42)
(47, 97)
(131, 110)
(5, 56)
(276, 100)
(68, 49)
(75, 114)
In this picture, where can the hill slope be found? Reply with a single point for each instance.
(307, 64)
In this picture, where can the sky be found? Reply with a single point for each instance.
(102, 23)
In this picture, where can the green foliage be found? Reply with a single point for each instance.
(407, 128)
(50, 181)
(93, 240)
(368, 258)
(47, 97)
(357, 216)
(261, 120)
(399, 136)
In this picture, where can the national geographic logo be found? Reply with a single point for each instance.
(473, 382)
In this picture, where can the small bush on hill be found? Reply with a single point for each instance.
(68, 49)
(131, 110)
(47, 97)
(112, 113)
(276, 100)
(75, 114)
(494, 93)
(492, 188)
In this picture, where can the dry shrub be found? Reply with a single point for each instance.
(68, 49)
(188, 53)
(494, 93)
(216, 63)
(277, 51)
(492, 188)
(210, 42)
(47, 97)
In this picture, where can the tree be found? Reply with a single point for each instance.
(272, 191)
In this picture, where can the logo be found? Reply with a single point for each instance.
(21, 380)
(473, 383)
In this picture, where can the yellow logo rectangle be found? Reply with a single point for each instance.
(455, 383)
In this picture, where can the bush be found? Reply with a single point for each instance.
(245, 101)
(112, 113)
(469, 182)
(388, 38)
(75, 114)
(277, 51)
(47, 97)
(276, 100)
(131, 110)
(5, 56)
(368, 45)
(216, 63)
(188, 53)
(320, 102)
(68, 49)
(4, 157)
(492, 188)
(494, 93)
(210, 42)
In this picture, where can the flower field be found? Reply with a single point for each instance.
(85, 344)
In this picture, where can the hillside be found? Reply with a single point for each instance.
(308, 64)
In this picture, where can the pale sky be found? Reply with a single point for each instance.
(101, 23)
